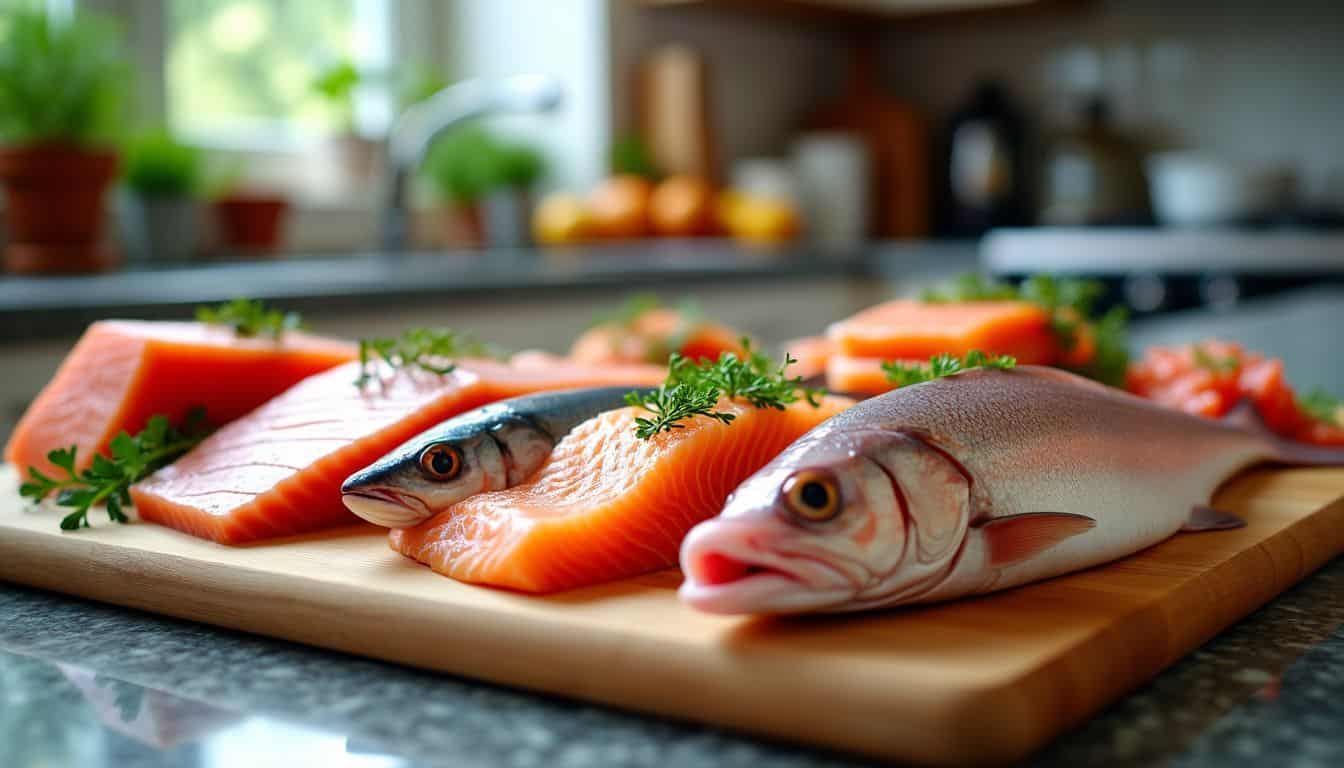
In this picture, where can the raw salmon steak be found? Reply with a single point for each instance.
(606, 505)
(916, 330)
(122, 372)
(278, 471)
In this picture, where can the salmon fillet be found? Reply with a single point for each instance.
(860, 375)
(122, 372)
(915, 330)
(606, 505)
(278, 471)
(812, 354)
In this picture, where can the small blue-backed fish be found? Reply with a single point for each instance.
(491, 448)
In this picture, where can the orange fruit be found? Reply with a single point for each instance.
(619, 207)
(682, 206)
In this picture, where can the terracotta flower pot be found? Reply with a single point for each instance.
(55, 207)
(251, 223)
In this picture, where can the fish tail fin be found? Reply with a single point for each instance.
(1247, 417)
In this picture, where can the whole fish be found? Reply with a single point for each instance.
(493, 447)
(963, 485)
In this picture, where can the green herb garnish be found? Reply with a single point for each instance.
(905, 374)
(1321, 406)
(427, 349)
(1208, 362)
(249, 317)
(1070, 305)
(108, 480)
(695, 388)
(629, 310)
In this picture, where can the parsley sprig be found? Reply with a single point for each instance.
(905, 374)
(427, 349)
(1071, 306)
(694, 389)
(248, 317)
(108, 480)
(1321, 406)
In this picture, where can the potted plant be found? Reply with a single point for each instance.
(486, 182)
(61, 94)
(353, 154)
(247, 220)
(160, 215)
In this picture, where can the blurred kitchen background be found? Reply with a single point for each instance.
(511, 165)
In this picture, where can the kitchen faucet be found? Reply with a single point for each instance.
(416, 129)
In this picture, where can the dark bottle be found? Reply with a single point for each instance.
(984, 181)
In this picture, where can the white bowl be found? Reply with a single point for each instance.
(1196, 189)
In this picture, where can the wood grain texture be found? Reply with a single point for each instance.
(973, 682)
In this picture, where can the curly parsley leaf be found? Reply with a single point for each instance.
(904, 374)
(432, 350)
(695, 388)
(107, 480)
(1322, 406)
(248, 318)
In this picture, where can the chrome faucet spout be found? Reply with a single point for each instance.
(416, 129)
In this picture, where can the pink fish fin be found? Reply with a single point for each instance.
(1204, 518)
(1021, 537)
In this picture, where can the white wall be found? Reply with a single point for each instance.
(566, 38)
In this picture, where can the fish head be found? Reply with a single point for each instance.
(440, 468)
(835, 522)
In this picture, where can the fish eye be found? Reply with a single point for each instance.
(441, 461)
(812, 496)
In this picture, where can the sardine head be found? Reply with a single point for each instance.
(434, 471)
(826, 526)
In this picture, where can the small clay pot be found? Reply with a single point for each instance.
(250, 222)
(55, 210)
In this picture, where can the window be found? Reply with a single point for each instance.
(240, 73)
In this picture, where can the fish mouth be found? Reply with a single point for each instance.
(723, 579)
(386, 507)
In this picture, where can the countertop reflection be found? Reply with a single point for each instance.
(84, 684)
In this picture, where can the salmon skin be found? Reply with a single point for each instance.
(278, 471)
(606, 505)
(122, 372)
(490, 448)
(963, 485)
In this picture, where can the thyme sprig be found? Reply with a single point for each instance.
(249, 317)
(433, 350)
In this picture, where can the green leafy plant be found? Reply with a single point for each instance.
(61, 79)
(336, 85)
(630, 156)
(249, 317)
(694, 389)
(427, 349)
(108, 480)
(905, 374)
(157, 165)
(469, 163)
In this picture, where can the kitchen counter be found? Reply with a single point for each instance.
(46, 307)
(92, 685)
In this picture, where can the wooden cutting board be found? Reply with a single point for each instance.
(984, 680)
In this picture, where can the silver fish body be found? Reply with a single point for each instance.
(963, 485)
(490, 448)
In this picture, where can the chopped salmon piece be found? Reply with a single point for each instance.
(652, 336)
(278, 471)
(812, 354)
(122, 372)
(916, 330)
(606, 505)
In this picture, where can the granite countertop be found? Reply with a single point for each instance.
(82, 684)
